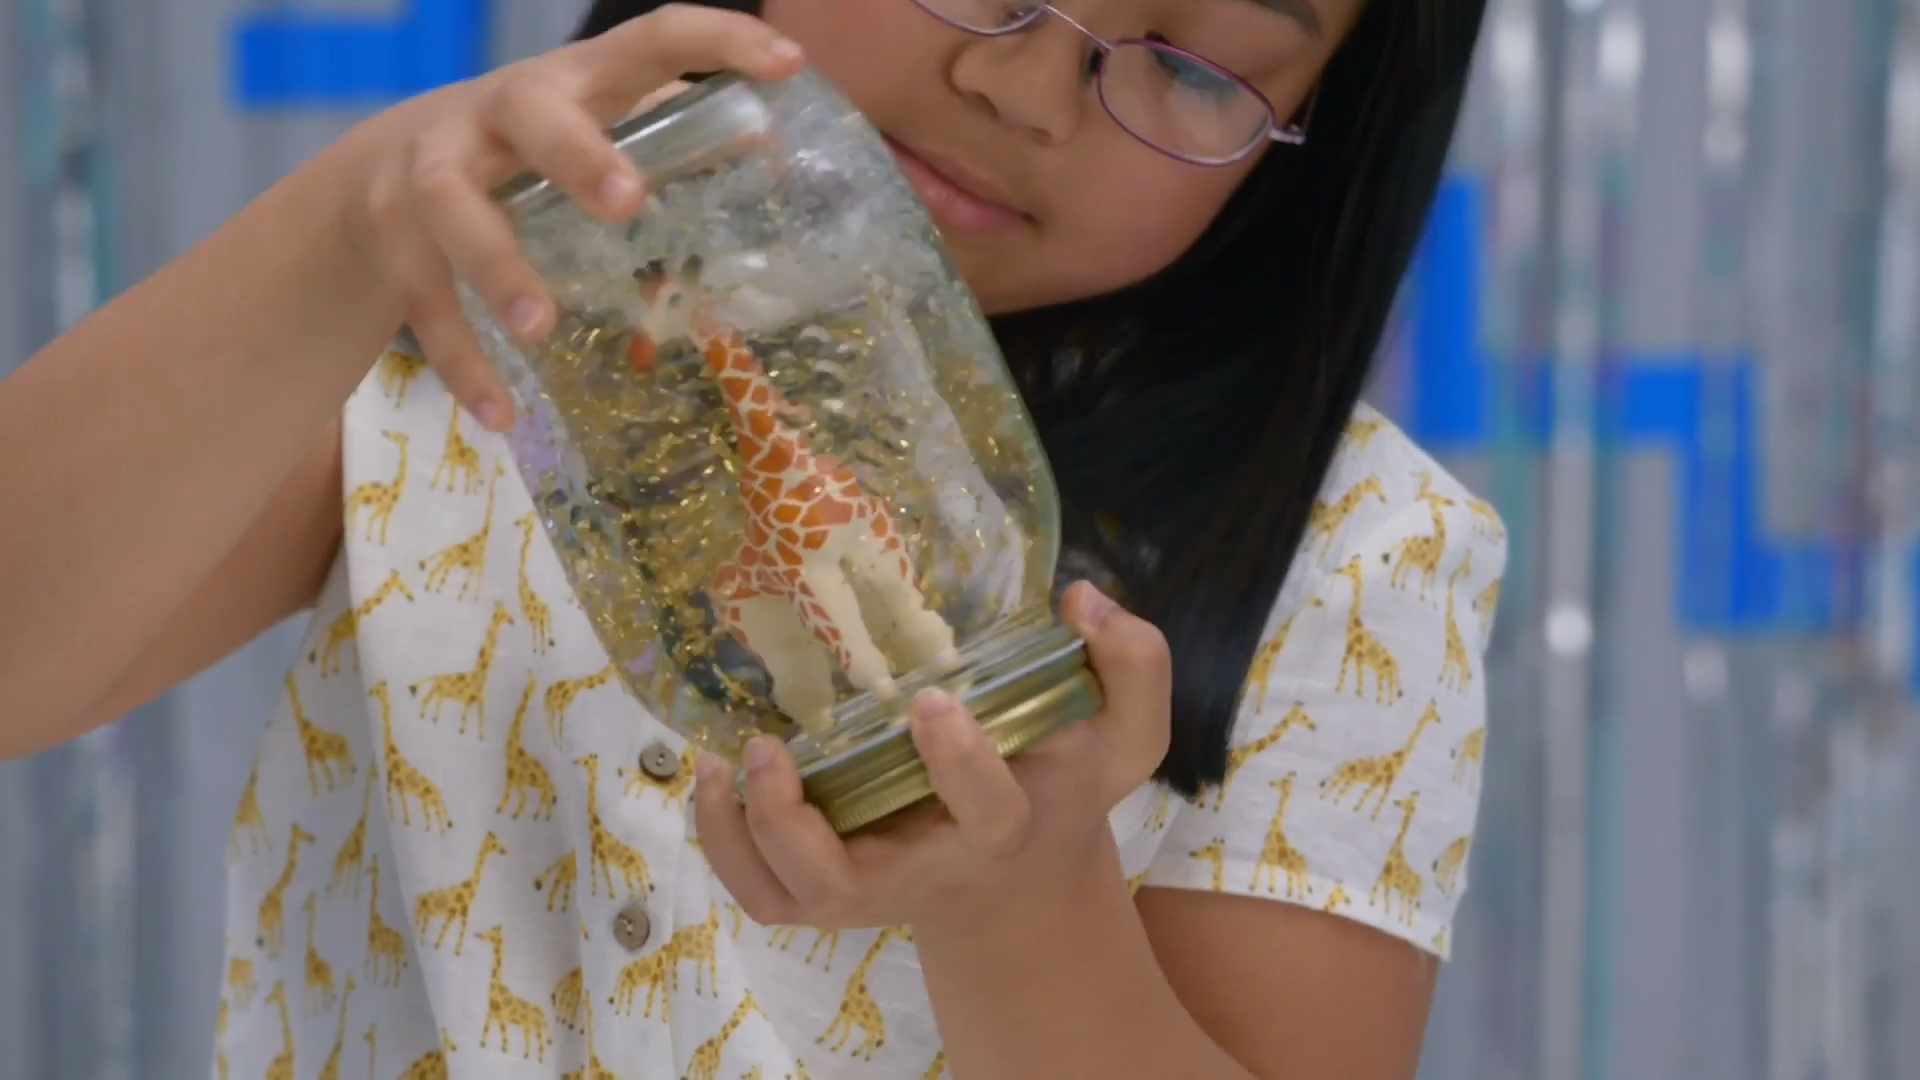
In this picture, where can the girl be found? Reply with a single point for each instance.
(464, 851)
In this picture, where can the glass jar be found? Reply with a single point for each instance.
(779, 453)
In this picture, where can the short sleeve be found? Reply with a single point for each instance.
(1353, 779)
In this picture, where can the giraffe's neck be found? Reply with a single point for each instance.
(479, 867)
(492, 641)
(1414, 737)
(1406, 822)
(499, 958)
(286, 1024)
(754, 404)
(340, 1035)
(733, 1022)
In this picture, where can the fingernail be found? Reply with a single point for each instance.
(523, 315)
(1096, 608)
(617, 188)
(932, 704)
(710, 769)
(490, 413)
(759, 752)
(782, 49)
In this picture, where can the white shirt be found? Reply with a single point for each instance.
(465, 850)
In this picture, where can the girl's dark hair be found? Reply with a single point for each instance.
(1191, 419)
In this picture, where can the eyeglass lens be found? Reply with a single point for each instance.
(1177, 102)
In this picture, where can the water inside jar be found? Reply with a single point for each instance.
(638, 471)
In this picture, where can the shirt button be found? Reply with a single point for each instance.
(632, 927)
(659, 762)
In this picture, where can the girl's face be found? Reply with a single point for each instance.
(1041, 197)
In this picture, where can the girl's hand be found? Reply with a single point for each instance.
(421, 213)
(1000, 831)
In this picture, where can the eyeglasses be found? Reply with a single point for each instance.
(1182, 105)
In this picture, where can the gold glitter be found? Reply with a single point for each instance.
(636, 476)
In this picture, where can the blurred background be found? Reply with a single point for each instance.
(1665, 316)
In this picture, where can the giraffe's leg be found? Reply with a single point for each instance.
(914, 635)
(830, 608)
(802, 672)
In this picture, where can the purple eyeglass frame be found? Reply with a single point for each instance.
(1289, 134)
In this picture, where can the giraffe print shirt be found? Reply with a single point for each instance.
(465, 851)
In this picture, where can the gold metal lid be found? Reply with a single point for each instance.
(1043, 687)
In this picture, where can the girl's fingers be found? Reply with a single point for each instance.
(727, 841)
(1130, 657)
(987, 803)
(562, 142)
(794, 837)
(477, 241)
(423, 280)
(640, 55)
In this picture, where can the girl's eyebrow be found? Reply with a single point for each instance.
(1303, 12)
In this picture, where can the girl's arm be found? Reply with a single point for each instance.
(138, 450)
(166, 467)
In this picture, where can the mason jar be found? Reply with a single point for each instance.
(778, 451)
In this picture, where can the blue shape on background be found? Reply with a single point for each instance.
(286, 59)
(1731, 578)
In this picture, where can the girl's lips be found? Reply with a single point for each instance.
(955, 207)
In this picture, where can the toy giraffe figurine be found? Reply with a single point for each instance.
(814, 536)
